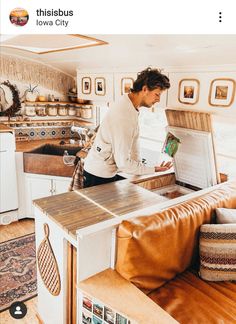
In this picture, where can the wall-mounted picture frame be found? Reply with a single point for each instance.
(86, 85)
(126, 85)
(100, 86)
(189, 91)
(222, 92)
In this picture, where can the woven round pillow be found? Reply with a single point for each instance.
(218, 252)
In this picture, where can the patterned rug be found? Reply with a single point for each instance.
(17, 270)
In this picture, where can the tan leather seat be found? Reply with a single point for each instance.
(191, 300)
(155, 252)
(154, 249)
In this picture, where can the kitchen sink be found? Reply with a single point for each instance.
(48, 159)
(51, 149)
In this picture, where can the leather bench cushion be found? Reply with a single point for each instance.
(153, 249)
(190, 299)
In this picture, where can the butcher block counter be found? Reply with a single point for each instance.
(75, 210)
(4, 128)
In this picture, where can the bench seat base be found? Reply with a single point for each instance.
(189, 299)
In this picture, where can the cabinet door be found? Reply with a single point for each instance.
(60, 186)
(37, 188)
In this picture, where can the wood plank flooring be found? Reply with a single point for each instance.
(8, 232)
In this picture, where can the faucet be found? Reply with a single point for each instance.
(82, 132)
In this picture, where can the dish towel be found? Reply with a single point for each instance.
(77, 181)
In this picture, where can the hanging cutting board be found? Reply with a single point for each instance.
(47, 265)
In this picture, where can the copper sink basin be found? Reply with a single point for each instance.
(48, 159)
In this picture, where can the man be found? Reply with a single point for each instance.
(116, 144)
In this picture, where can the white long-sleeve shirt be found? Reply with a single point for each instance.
(116, 146)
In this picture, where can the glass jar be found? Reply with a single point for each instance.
(71, 110)
(62, 110)
(41, 110)
(30, 110)
(78, 110)
(86, 112)
(52, 109)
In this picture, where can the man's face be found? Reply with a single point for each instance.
(149, 98)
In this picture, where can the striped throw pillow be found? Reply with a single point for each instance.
(218, 252)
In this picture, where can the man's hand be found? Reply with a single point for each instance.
(164, 166)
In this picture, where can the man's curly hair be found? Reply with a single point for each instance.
(152, 78)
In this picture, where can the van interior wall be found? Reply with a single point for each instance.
(152, 123)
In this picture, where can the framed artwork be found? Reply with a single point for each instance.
(100, 86)
(126, 84)
(86, 85)
(189, 91)
(222, 92)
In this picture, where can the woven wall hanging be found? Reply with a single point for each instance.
(27, 71)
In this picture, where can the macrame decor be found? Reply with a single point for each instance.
(35, 73)
(16, 104)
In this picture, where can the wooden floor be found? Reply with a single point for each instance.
(7, 232)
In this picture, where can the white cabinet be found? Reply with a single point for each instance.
(60, 186)
(95, 86)
(39, 186)
(8, 181)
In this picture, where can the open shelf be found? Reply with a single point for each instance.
(57, 103)
(50, 122)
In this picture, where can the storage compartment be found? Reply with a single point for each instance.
(194, 165)
(165, 186)
(173, 191)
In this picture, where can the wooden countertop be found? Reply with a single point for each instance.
(120, 197)
(5, 129)
(139, 178)
(89, 206)
(72, 211)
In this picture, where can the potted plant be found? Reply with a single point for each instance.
(31, 93)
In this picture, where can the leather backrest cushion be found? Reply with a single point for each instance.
(153, 249)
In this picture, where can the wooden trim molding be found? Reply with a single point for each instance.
(97, 42)
(71, 285)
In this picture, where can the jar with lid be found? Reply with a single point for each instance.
(86, 112)
(78, 110)
(71, 110)
(52, 109)
(62, 110)
(30, 110)
(41, 110)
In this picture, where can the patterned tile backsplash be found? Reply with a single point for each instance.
(37, 133)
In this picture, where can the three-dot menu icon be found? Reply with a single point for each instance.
(220, 16)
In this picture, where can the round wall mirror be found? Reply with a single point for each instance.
(9, 99)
